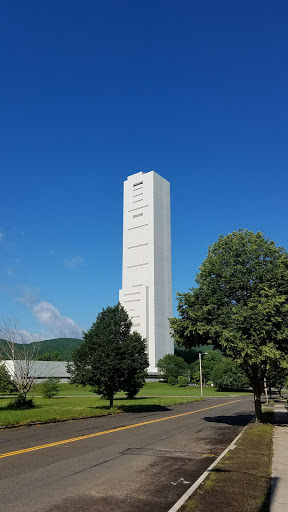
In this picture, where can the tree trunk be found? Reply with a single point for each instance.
(258, 407)
(257, 381)
(111, 400)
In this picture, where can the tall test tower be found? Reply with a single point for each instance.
(146, 272)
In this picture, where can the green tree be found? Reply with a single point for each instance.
(209, 363)
(240, 304)
(50, 356)
(227, 374)
(172, 366)
(22, 355)
(111, 358)
(276, 375)
(50, 387)
(6, 383)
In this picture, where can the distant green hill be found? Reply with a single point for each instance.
(64, 347)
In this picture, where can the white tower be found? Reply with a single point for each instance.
(146, 273)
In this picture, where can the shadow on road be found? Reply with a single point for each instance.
(144, 408)
(238, 419)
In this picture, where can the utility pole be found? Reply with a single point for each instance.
(200, 365)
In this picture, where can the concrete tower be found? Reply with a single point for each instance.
(146, 273)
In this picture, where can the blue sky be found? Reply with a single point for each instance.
(92, 92)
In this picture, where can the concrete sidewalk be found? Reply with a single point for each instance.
(279, 490)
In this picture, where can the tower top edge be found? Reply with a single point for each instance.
(137, 175)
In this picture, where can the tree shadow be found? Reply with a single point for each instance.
(12, 407)
(135, 407)
(235, 420)
(144, 408)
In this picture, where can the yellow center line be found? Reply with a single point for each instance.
(80, 438)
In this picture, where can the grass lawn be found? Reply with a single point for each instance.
(78, 402)
(78, 407)
(149, 389)
(241, 481)
(164, 389)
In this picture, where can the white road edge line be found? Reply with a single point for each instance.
(196, 484)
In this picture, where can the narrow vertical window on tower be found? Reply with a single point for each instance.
(146, 266)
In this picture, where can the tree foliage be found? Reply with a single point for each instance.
(49, 356)
(227, 374)
(22, 355)
(6, 383)
(277, 375)
(172, 366)
(172, 381)
(111, 358)
(50, 387)
(240, 304)
(182, 381)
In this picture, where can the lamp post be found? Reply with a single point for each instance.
(200, 364)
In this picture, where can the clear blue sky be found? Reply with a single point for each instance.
(94, 91)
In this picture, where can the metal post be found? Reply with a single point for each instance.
(201, 386)
(265, 390)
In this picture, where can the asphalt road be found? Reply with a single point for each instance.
(130, 468)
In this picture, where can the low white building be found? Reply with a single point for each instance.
(41, 370)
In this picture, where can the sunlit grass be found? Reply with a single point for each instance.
(149, 389)
(56, 409)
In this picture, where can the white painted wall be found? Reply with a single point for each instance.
(40, 369)
(146, 272)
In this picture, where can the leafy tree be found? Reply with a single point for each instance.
(111, 358)
(195, 373)
(209, 363)
(276, 375)
(22, 355)
(240, 305)
(50, 387)
(50, 356)
(172, 366)
(6, 383)
(227, 374)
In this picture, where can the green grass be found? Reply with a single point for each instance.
(149, 389)
(164, 389)
(74, 407)
(78, 402)
(241, 481)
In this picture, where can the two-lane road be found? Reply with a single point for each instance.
(120, 463)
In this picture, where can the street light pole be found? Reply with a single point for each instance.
(200, 364)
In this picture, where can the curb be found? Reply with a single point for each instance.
(204, 475)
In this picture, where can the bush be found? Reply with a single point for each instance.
(182, 381)
(50, 387)
(172, 381)
(20, 402)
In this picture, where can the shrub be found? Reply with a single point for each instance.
(172, 381)
(182, 381)
(21, 402)
(50, 387)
